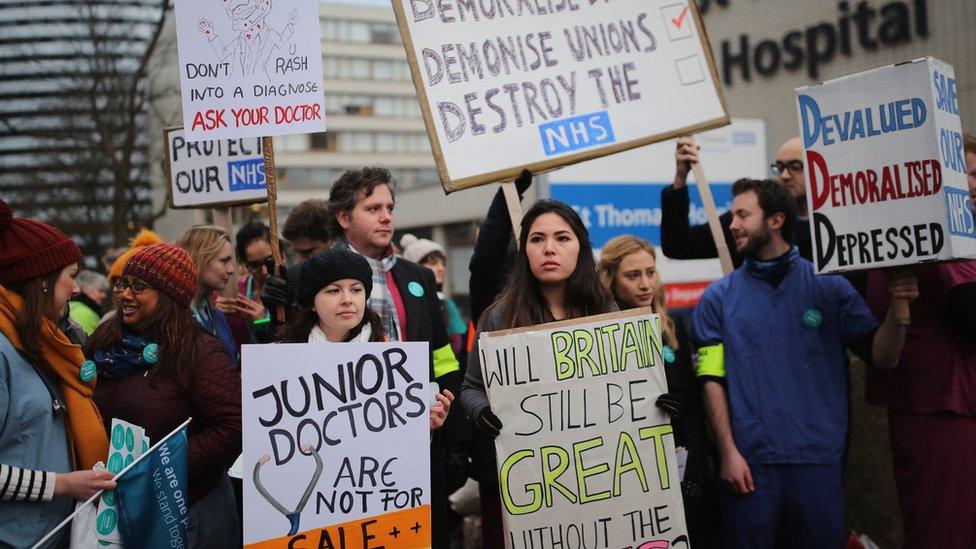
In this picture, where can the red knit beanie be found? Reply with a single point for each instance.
(166, 267)
(31, 249)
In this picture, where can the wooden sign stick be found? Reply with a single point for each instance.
(271, 180)
(713, 223)
(514, 208)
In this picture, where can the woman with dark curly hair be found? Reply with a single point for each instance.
(157, 367)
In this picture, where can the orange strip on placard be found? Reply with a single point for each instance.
(407, 529)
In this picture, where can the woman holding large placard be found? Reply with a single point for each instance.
(332, 289)
(553, 278)
(628, 267)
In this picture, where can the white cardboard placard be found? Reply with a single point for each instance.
(219, 172)
(510, 85)
(363, 409)
(886, 176)
(584, 452)
(250, 68)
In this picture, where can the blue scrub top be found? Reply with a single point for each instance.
(786, 380)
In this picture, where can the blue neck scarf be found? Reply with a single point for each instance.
(775, 269)
(122, 359)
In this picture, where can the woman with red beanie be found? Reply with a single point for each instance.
(49, 425)
(156, 367)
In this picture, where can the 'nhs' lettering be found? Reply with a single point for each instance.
(246, 175)
(578, 132)
(959, 207)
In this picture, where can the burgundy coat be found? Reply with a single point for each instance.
(209, 391)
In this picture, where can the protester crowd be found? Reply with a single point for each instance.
(758, 382)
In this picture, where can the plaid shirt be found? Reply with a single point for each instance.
(380, 299)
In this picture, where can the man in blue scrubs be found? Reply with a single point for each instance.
(772, 338)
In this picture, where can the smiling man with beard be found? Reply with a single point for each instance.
(679, 240)
(772, 340)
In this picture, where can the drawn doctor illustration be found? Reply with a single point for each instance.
(255, 40)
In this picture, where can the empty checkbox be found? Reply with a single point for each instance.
(690, 70)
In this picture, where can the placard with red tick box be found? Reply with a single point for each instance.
(507, 86)
(677, 21)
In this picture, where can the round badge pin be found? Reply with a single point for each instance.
(415, 289)
(668, 354)
(106, 521)
(150, 353)
(118, 437)
(812, 318)
(87, 371)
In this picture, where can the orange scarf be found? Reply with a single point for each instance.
(87, 439)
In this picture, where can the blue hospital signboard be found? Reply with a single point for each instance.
(220, 172)
(612, 209)
(622, 195)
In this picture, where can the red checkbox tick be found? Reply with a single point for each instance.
(681, 17)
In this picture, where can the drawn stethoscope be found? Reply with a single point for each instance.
(294, 517)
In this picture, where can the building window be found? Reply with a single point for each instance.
(384, 33)
(323, 141)
(291, 143)
(386, 143)
(359, 68)
(383, 70)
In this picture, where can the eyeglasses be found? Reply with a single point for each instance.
(794, 166)
(137, 287)
(254, 267)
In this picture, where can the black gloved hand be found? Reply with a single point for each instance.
(277, 292)
(691, 491)
(670, 404)
(488, 423)
(523, 181)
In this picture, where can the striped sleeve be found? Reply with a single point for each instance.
(18, 484)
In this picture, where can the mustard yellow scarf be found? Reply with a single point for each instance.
(87, 439)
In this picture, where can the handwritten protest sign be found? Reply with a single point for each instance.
(250, 68)
(336, 450)
(885, 165)
(511, 85)
(585, 458)
(219, 172)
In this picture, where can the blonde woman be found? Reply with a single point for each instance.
(213, 254)
(628, 267)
